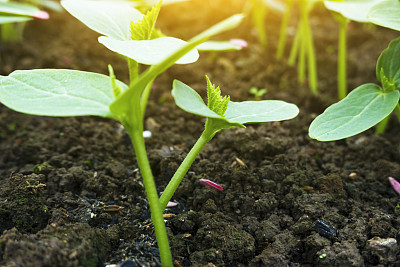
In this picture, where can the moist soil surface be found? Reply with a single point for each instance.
(71, 193)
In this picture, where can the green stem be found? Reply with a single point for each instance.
(152, 196)
(135, 131)
(397, 111)
(133, 69)
(382, 125)
(301, 65)
(342, 54)
(145, 97)
(312, 63)
(283, 30)
(169, 191)
(259, 12)
(295, 47)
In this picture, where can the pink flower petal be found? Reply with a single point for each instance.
(395, 185)
(41, 15)
(240, 42)
(211, 184)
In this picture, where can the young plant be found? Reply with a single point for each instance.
(64, 93)
(220, 113)
(345, 11)
(386, 13)
(14, 15)
(303, 47)
(366, 105)
(258, 93)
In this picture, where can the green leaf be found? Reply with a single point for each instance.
(218, 46)
(260, 111)
(51, 92)
(355, 10)
(149, 52)
(110, 18)
(142, 29)
(388, 66)
(237, 113)
(386, 13)
(121, 105)
(364, 107)
(12, 8)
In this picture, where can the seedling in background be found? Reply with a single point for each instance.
(284, 29)
(366, 105)
(303, 47)
(220, 113)
(64, 93)
(345, 11)
(258, 93)
(14, 15)
(257, 11)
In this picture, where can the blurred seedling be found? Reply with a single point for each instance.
(258, 93)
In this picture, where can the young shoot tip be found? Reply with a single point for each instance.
(41, 15)
(211, 184)
(240, 42)
(395, 184)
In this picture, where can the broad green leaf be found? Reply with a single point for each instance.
(12, 8)
(388, 66)
(260, 111)
(142, 29)
(355, 10)
(386, 13)
(122, 106)
(218, 46)
(51, 92)
(237, 113)
(364, 107)
(190, 101)
(149, 52)
(110, 18)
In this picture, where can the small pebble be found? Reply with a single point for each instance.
(146, 134)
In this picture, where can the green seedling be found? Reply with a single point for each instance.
(303, 47)
(14, 15)
(220, 113)
(366, 105)
(258, 93)
(257, 11)
(345, 11)
(64, 93)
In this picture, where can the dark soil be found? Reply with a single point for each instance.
(71, 193)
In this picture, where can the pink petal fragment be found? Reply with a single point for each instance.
(240, 42)
(41, 15)
(395, 185)
(211, 184)
(171, 204)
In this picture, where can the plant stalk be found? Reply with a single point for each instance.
(173, 184)
(133, 69)
(312, 62)
(283, 30)
(342, 58)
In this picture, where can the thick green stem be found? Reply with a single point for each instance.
(156, 210)
(397, 111)
(259, 12)
(342, 54)
(283, 30)
(169, 191)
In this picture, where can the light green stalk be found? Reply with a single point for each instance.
(342, 57)
(283, 30)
